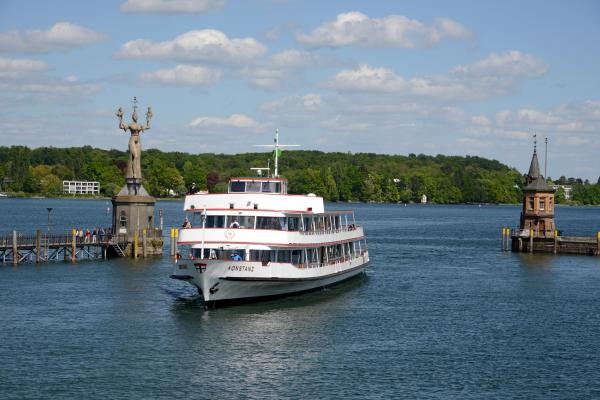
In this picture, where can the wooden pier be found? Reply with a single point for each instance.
(44, 247)
(524, 241)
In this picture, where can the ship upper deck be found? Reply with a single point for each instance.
(255, 195)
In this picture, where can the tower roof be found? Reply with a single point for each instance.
(539, 185)
(534, 167)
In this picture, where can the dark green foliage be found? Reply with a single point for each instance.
(335, 176)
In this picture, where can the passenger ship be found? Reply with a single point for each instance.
(258, 241)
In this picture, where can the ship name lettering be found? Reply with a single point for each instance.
(248, 268)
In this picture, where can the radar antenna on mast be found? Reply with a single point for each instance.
(259, 171)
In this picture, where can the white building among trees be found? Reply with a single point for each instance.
(81, 187)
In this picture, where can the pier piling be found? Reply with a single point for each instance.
(38, 246)
(144, 243)
(15, 252)
(531, 240)
(73, 245)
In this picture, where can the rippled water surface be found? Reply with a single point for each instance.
(441, 313)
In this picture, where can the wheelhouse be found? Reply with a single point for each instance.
(258, 185)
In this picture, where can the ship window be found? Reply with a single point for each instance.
(293, 223)
(253, 187)
(308, 224)
(255, 255)
(270, 223)
(264, 256)
(284, 256)
(246, 221)
(271, 187)
(235, 255)
(297, 256)
(313, 255)
(215, 221)
(212, 254)
(237, 187)
(196, 253)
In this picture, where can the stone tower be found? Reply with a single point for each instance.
(538, 202)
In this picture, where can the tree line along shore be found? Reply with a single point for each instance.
(364, 177)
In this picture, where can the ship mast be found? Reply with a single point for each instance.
(276, 152)
(277, 146)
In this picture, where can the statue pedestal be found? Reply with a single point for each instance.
(133, 219)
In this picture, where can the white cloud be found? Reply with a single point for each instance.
(511, 63)
(579, 118)
(572, 141)
(494, 76)
(503, 116)
(294, 59)
(471, 145)
(183, 75)
(281, 69)
(264, 77)
(534, 117)
(52, 88)
(62, 36)
(28, 78)
(346, 125)
(14, 68)
(170, 6)
(237, 121)
(208, 45)
(310, 101)
(480, 120)
(297, 111)
(367, 78)
(356, 28)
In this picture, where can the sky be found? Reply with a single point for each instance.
(458, 77)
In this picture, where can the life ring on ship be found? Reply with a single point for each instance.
(229, 234)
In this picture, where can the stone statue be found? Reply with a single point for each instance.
(134, 168)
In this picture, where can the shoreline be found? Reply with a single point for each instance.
(11, 196)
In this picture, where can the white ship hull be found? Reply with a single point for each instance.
(223, 280)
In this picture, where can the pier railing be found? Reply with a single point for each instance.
(528, 240)
(43, 246)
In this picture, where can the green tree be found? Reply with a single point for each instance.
(51, 185)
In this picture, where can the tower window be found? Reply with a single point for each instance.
(531, 202)
(123, 219)
(543, 203)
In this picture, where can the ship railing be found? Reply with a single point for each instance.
(348, 228)
(335, 261)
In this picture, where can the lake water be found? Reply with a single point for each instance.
(441, 313)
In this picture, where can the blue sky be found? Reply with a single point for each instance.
(393, 77)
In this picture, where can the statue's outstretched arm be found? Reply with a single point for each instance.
(120, 116)
(148, 117)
